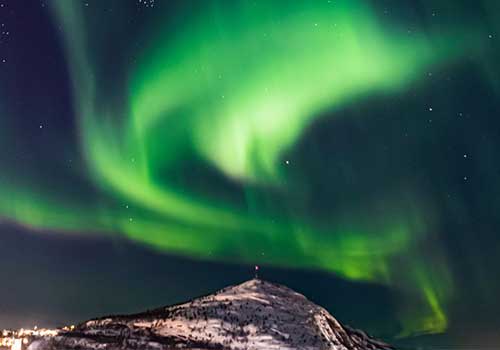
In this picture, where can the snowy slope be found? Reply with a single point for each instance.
(254, 315)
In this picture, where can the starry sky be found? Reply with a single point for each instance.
(152, 151)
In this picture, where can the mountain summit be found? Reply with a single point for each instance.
(255, 315)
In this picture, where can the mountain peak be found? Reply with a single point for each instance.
(253, 315)
(257, 286)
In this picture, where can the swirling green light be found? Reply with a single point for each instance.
(234, 88)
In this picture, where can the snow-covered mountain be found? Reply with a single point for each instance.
(255, 315)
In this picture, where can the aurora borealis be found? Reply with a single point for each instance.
(355, 138)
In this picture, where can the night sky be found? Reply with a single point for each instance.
(152, 151)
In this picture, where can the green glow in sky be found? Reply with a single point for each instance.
(233, 89)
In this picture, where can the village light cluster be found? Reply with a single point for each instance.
(21, 338)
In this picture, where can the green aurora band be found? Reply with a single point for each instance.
(232, 89)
